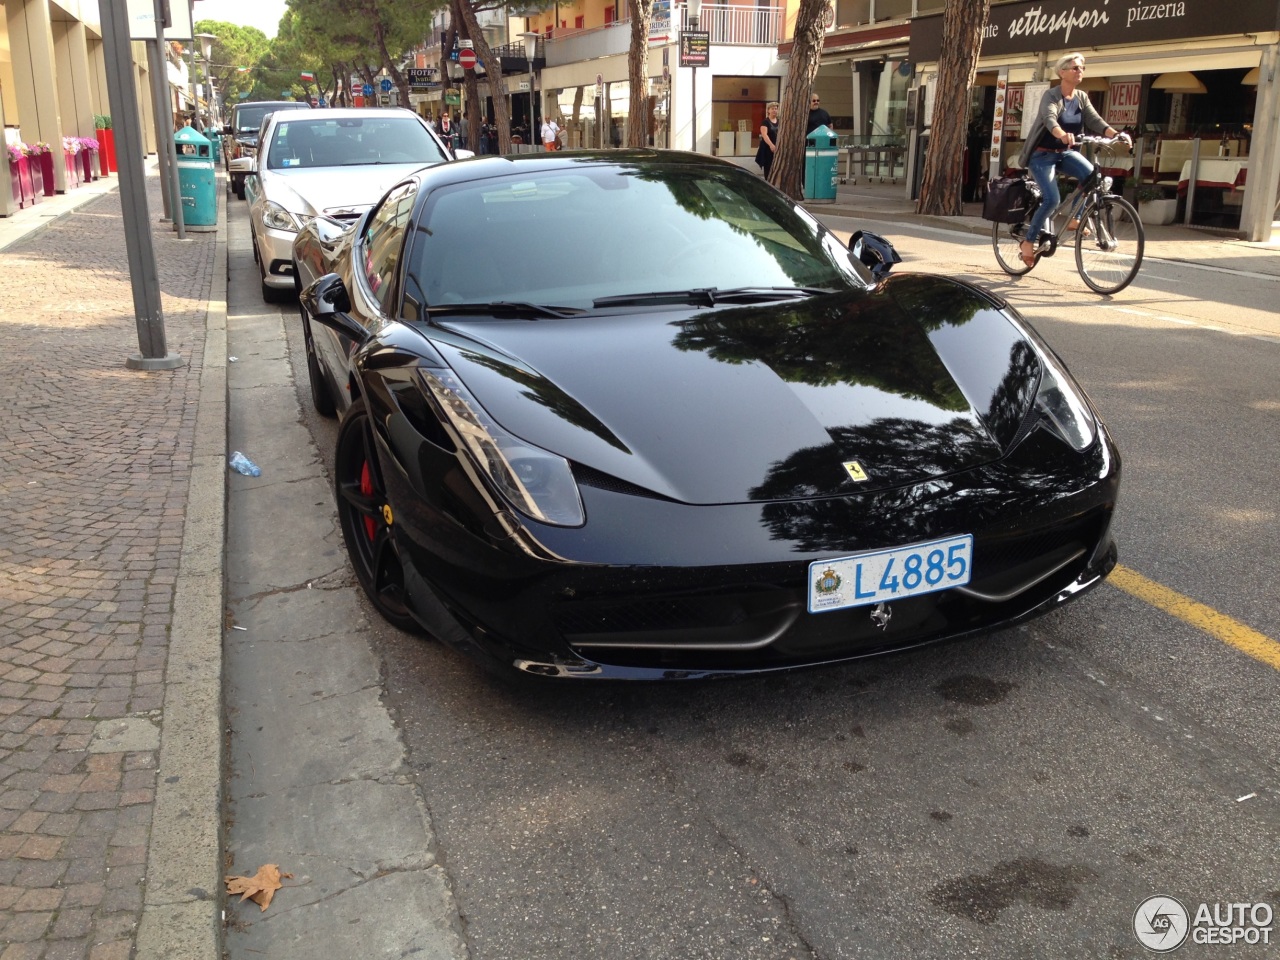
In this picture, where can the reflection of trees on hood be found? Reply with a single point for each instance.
(542, 391)
(856, 338)
(903, 450)
(936, 301)
(1013, 398)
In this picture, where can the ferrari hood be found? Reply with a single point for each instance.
(826, 396)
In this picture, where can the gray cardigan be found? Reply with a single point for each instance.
(1047, 119)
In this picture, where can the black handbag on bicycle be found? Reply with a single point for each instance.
(1010, 199)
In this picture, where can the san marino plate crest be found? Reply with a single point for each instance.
(827, 582)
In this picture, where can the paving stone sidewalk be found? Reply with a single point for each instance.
(96, 465)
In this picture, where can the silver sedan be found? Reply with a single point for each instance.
(332, 163)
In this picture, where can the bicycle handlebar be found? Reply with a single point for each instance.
(1105, 141)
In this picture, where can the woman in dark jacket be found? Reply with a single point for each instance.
(768, 139)
(1064, 113)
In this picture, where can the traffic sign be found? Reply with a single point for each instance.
(467, 59)
(386, 84)
(367, 90)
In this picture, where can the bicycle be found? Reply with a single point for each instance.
(1109, 238)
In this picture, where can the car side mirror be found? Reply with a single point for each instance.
(327, 303)
(227, 131)
(875, 252)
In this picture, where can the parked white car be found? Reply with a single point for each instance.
(332, 163)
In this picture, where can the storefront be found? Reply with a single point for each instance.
(1190, 80)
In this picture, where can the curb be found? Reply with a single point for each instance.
(181, 917)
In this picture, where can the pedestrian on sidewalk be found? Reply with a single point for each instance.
(768, 139)
(817, 116)
(550, 134)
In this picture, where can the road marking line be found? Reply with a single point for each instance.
(1217, 625)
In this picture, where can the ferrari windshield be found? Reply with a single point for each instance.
(601, 230)
(350, 141)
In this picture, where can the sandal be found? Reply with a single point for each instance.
(1075, 225)
(1029, 258)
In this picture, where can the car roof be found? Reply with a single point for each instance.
(352, 113)
(272, 103)
(479, 168)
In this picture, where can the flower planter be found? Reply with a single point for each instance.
(15, 183)
(46, 167)
(26, 186)
(1155, 213)
(72, 169)
(85, 159)
(37, 178)
(108, 159)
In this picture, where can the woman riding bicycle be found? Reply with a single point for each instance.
(1064, 112)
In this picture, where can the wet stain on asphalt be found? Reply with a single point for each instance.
(1077, 830)
(974, 691)
(981, 897)
(960, 726)
(742, 759)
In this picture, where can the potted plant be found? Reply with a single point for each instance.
(88, 157)
(17, 161)
(1154, 207)
(107, 137)
(70, 149)
(42, 157)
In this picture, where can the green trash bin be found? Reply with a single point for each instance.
(215, 139)
(820, 155)
(196, 181)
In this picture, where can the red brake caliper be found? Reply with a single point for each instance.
(366, 488)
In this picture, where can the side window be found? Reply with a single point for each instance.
(383, 242)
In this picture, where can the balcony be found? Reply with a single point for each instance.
(727, 23)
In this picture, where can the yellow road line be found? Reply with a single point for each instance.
(1218, 625)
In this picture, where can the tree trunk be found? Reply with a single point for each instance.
(962, 27)
(493, 68)
(638, 73)
(787, 173)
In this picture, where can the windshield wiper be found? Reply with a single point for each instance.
(502, 308)
(712, 295)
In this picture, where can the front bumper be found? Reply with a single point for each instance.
(651, 589)
(275, 248)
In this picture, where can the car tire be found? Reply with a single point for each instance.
(367, 519)
(321, 399)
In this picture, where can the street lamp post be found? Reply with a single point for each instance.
(695, 11)
(206, 54)
(530, 51)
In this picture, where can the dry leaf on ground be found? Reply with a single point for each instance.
(259, 888)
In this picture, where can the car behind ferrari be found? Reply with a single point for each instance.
(638, 415)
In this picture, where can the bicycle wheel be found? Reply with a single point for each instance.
(1006, 240)
(1109, 246)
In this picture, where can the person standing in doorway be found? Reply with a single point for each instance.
(768, 139)
(817, 116)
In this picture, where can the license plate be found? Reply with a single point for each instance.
(882, 576)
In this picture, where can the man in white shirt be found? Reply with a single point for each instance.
(550, 134)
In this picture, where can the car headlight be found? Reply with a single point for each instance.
(1062, 407)
(276, 217)
(538, 483)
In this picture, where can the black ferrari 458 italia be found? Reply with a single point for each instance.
(638, 415)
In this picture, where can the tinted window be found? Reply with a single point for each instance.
(570, 237)
(350, 141)
(383, 241)
(249, 116)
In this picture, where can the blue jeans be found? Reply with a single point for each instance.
(1044, 166)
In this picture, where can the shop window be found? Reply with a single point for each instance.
(737, 107)
(893, 9)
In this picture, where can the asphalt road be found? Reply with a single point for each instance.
(1017, 796)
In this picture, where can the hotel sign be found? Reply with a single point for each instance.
(1037, 25)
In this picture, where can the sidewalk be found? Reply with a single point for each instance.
(111, 590)
(112, 575)
(888, 201)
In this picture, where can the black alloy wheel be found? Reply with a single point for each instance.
(368, 524)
